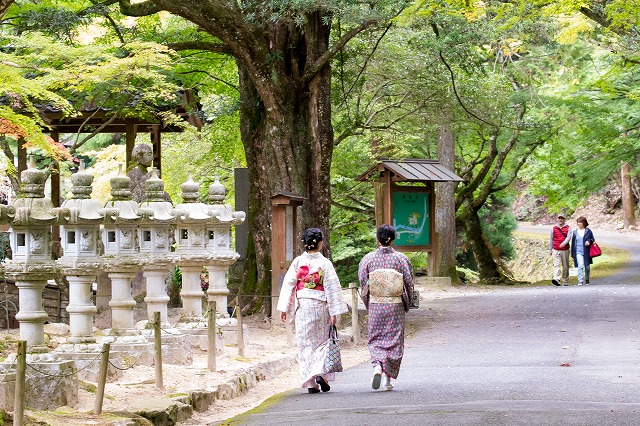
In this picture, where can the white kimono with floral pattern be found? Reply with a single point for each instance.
(312, 310)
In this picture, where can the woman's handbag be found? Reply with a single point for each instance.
(594, 250)
(333, 361)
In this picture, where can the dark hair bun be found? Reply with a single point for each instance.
(386, 234)
(311, 238)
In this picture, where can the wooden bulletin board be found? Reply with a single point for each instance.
(412, 216)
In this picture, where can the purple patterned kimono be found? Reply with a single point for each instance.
(386, 320)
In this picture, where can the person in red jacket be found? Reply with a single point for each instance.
(559, 248)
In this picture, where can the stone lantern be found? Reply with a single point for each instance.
(81, 258)
(221, 256)
(32, 264)
(121, 253)
(191, 236)
(155, 236)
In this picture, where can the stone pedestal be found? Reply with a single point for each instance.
(49, 384)
(191, 293)
(197, 335)
(81, 309)
(218, 290)
(156, 298)
(32, 315)
(122, 303)
(131, 350)
(230, 334)
(87, 361)
(176, 347)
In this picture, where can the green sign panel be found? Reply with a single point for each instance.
(411, 218)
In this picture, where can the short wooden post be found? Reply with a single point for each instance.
(102, 378)
(355, 323)
(211, 347)
(240, 329)
(20, 394)
(157, 347)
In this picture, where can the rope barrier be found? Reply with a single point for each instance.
(62, 376)
(15, 360)
(127, 368)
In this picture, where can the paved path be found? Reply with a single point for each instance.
(516, 356)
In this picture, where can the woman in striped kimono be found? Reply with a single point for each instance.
(312, 296)
(386, 280)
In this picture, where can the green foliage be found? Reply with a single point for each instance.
(176, 277)
(498, 222)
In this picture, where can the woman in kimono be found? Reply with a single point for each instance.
(386, 280)
(581, 241)
(312, 296)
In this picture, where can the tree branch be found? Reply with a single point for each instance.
(220, 48)
(600, 18)
(144, 8)
(366, 62)
(213, 77)
(78, 143)
(323, 60)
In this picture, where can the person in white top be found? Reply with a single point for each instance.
(580, 244)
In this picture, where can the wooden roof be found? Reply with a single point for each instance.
(411, 170)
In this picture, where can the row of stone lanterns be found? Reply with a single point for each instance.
(135, 237)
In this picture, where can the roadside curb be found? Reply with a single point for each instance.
(180, 406)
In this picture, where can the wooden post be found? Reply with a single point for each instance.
(240, 329)
(628, 207)
(278, 256)
(355, 324)
(378, 204)
(211, 347)
(156, 143)
(157, 346)
(386, 198)
(102, 378)
(130, 138)
(20, 394)
(284, 242)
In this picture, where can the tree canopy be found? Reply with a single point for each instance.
(306, 95)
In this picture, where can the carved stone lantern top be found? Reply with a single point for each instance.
(220, 212)
(32, 181)
(32, 208)
(156, 208)
(190, 191)
(121, 208)
(217, 192)
(190, 210)
(84, 209)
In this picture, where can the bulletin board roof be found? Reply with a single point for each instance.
(411, 170)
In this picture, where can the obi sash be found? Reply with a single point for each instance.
(385, 286)
(308, 280)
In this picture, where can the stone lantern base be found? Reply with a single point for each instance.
(176, 347)
(49, 384)
(87, 361)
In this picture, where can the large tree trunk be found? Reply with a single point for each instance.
(288, 146)
(488, 268)
(445, 209)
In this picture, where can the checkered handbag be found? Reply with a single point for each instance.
(333, 361)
